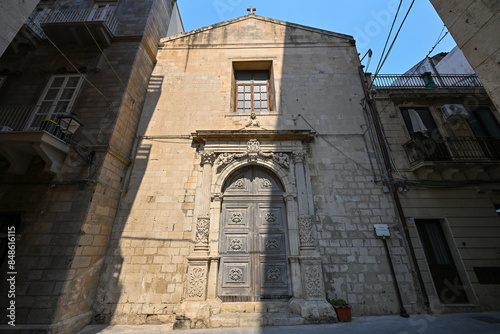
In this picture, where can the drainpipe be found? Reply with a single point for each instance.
(387, 162)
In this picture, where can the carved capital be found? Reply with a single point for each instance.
(207, 158)
(299, 157)
(289, 196)
(217, 197)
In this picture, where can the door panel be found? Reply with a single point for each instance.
(441, 265)
(254, 244)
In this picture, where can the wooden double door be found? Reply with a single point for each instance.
(253, 239)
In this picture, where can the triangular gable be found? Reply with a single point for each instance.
(293, 31)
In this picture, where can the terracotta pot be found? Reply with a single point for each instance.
(343, 313)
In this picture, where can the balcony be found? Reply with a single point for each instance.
(468, 156)
(30, 34)
(81, 26)
(31, 131)
(393, 81)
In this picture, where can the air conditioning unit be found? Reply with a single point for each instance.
(453, 110)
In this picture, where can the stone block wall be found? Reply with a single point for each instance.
(317, 88)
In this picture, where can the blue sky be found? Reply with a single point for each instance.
(369, 21)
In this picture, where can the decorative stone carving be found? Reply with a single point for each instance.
(236, 218)
(299, 157)
(217, 197)
(305, 232)
(253, 121)
(270, 217)
(236, 274)
(253, 146)
(313, 282)
(197, 282)
(273, 274)
(207, 158)
(236, 245)
(267, 184)
(289, 196)
(272, 244)
(253, 152)
(202, 226)
(240, 183)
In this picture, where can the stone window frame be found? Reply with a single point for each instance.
(253, 65)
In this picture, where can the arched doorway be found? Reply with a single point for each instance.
(253, 237)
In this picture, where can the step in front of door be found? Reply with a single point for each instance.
(226, 319)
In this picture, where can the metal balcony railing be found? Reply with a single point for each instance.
(105, 15)
(394, 81)
(30, 118)
(452, 149)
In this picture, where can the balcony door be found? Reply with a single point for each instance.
(56, 100)
(253, 240)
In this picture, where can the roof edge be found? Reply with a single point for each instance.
(258, 17)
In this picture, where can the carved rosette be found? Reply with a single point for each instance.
(236, 274)
(270, 217)
(207, 158)
(202, 230)
(305, 232)
(273, 275)
(313, 282)
(197, 282)
(272, 244)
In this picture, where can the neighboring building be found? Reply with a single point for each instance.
(443, 134)
(60, 191)
(474, 25)
(252, 195)
(13, 22)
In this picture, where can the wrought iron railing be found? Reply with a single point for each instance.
(105, 15)
(30, 118)
(34, 25)
(405, 81)
(452, 149)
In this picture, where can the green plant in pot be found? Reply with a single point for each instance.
(342, 308)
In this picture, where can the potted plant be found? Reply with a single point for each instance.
(342, 308)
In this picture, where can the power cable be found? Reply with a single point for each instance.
(388, 37)
(335, 147)
(393, 41)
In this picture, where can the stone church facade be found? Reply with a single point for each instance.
(253, 189)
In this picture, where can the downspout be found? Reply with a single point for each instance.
(387, 162)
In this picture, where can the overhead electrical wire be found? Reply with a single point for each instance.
(393, 41)
(388, 37)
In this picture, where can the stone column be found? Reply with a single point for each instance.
(203, 219)
(304, 218)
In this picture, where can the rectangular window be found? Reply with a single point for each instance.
(57, 99)
(252, 91)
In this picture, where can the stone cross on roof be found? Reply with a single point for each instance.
(251, 10)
